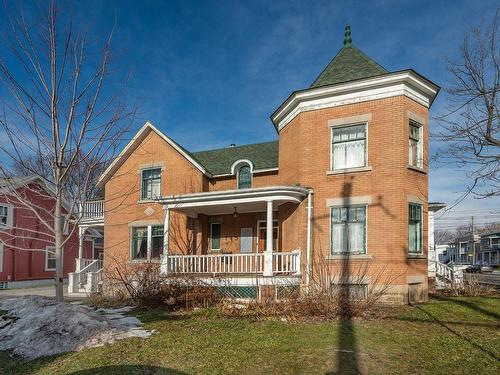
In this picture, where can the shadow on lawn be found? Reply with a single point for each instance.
(470, 305)
(346, 350)
(128, 369)
(458, 334)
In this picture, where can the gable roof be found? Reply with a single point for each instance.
(349, 64)
(219, 161)
(135, 142)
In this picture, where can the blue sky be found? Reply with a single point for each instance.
(210, 73)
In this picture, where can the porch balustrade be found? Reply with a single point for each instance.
(92, 210)
(282, 264)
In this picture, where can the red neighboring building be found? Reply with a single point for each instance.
(26, 211)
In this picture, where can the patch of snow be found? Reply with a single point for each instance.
(38, 326)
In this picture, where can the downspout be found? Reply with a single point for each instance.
(309, 240)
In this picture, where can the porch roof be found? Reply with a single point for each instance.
(227, 201)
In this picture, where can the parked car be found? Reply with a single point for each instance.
(479, 268)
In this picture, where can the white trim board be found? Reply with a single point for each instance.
(132, 145)
(406, 83)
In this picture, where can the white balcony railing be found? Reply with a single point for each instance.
(283, 263)
(92, 210)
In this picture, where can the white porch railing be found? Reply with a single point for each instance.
(446, 272)
(86, 279)
(283, 263)
(92, 210)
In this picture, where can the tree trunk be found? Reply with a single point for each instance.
(58, 242)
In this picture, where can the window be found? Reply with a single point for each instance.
(4, 215)
(415, 229)
(50, 258)
(147, 242)
(415, 145)
(348, 229)
(244, 177)
(64, 224)
(151, 183)
(351, 291)
(215, 236)
(246, 240)
(156, 241)
(349, 147)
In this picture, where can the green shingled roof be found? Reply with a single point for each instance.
(262, 155)
(348, 65)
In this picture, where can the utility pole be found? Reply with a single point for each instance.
(473, 240)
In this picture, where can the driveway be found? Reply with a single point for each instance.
(46, 291)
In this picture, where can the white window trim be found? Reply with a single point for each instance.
(421, 251)
(211, 236)
(420, 144)
(149, 242)
(235, 170)
(47, 258)
(262, 224)
(10, 215)
(345, 253)
(65, 224)
(142, 170)
(363, 168)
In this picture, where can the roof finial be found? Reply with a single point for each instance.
(347, 36)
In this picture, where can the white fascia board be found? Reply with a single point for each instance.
(130, 147)
(241, 196)
(235, 201)
(405, 83)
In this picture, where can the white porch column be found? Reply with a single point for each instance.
(166, 230)
(268, 255)
(81, 235)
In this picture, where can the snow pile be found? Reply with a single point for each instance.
(39, 326)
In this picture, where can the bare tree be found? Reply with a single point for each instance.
(63, 118)
(443, 236)
(470, 126)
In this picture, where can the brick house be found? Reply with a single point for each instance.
(344, 187)
(26, 244)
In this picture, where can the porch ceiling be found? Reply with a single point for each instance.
(225, 202)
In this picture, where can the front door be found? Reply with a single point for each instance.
(262, 235)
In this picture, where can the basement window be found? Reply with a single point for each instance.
(353, 291)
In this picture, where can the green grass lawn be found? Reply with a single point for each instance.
(445, 336)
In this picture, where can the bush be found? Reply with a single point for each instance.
(468, 286)
(145, 286)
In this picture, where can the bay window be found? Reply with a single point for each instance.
(348, 230)
(349, 147)
(415, 228)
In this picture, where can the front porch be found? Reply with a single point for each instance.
(236, 233)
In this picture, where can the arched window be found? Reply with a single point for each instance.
(244, 177)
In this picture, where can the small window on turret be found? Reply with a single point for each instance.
(415, 153)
